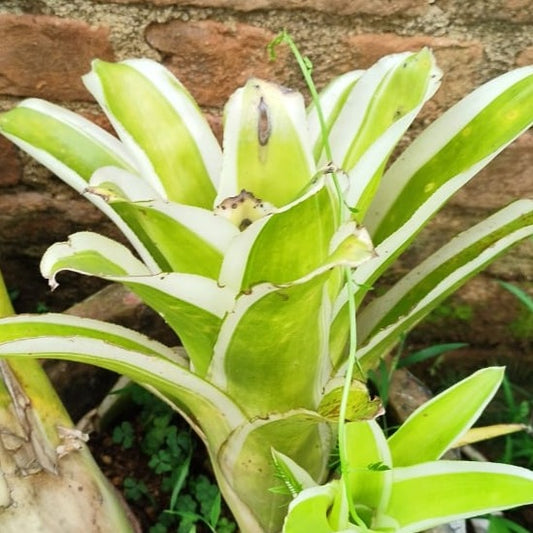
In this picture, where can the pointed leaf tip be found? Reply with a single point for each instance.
(266, 146)
(159, 122)
(437, 424)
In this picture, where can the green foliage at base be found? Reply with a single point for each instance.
(170, 446)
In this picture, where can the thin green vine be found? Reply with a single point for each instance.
(306, 68)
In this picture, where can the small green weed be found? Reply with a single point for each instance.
(13, 294)
(135, 490)
(451, 310)
(124, 434)
(513, 405)
(522, 326)
(41, 308)
(381, 377)
(521, 295)
(498, 524)
(518, 403)
(193, 499)
(202, 505)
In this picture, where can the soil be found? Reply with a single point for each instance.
(120, 463)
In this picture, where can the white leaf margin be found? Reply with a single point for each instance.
(293, 105)
(439, 289)
(436, 468)
(87, 324)
(177, 96)
(435, 137)
(196, 290)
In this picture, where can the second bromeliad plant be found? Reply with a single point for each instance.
(244, 254)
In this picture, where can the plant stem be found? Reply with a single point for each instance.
(306, 68)
(6, 309)
(40, 481)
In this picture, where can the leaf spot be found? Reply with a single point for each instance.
(263, 123)
(243, 209)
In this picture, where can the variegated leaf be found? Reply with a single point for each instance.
(450, 490)
(266, 147)
(421, 290)
(283, 246)
(213, 411)
(162, 126)
(379, 108)
(290, 355)
(182, 238)
(437, 424)
(73, 148)
(449, 153)
(192, 305)
(369, 466)
(246, 460)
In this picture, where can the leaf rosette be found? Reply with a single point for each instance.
(242, 250)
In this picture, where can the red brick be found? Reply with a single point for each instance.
(213, 59)
(337, 7)
(45, 56)
(525, 57)
(40, 217)
(515, 10)
(215, 121)
(10, 165)
(459, 61)
(99, 119)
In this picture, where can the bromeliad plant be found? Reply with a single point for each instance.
(256, 256)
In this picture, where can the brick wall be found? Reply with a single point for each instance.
(213, 46)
